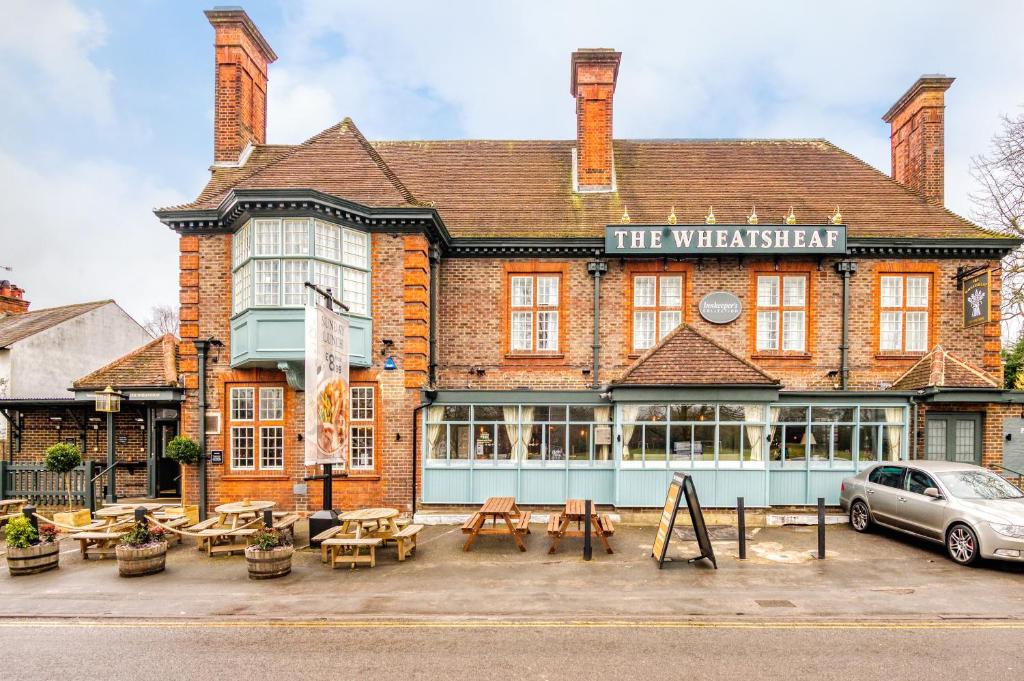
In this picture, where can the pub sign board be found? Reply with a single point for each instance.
(977, 299)
(720, 307)
(660, 240)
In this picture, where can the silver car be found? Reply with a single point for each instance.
(971, 510)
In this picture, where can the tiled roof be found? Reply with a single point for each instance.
(941, 369)
(516, 188)
(155, 364)
(16, 327)
(688, 357)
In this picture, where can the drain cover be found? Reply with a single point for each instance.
(776, 604)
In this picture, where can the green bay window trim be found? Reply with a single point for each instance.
(272, 258)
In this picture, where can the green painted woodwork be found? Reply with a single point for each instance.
(264, 337)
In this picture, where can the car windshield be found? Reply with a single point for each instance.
(978, 485)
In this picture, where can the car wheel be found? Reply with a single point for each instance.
(860, 517)
(962, 544)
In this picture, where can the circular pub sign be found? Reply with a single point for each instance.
(720, 307)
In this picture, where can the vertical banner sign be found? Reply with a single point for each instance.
(977, 300)
(326, 387)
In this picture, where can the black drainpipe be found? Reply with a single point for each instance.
(596, 268)
(845, 268)
(201, 346)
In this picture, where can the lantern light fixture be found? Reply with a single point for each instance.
(108, 400)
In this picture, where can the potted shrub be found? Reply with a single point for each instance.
(185, 451)
(141, 551)
(63, 458)
(30, 551)
(269, 555)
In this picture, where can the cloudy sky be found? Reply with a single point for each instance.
(107, 106)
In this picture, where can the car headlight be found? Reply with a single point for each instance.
(1014, 531)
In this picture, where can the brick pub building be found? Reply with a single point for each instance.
(583, 317)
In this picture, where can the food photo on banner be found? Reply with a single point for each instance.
(326, 387)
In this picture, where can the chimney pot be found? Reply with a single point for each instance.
(594, 74)
(12, 299)
(917, 137)
(242, 57)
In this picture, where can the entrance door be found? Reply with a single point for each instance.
(953, 437)
(168, 471)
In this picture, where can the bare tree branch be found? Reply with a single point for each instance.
(162, 319)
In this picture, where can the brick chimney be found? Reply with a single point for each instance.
(918, 137)
(240, 92)
(12, 299)
(594, 72)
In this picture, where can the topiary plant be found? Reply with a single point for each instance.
(20, 533)
(63, 457)
(183, 450)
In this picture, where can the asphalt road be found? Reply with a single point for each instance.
(450, 650)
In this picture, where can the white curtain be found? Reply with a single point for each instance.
(753, 424)
(893, 436)
(511, 415)
(629, 413)
(602, 416)
(526, 431)
(434, 431)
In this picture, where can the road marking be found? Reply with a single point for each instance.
(516, 624)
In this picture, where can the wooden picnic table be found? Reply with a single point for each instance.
(10, 508)
(355, 522)
(576, 512)
(231, 529)
(513, 521)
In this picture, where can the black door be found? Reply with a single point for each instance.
(168, 471)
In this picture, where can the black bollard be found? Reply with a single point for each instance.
(140, 514)
(821, 528)
(30, 513)
(588, 549)
(268, 518)
(741, 527)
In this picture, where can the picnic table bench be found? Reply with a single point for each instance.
(336, 547)
(11, 508)
(575, 512)
(514, 522)
(230, 530)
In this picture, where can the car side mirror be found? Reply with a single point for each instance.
(932, 492)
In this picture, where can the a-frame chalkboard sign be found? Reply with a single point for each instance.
(682, 487)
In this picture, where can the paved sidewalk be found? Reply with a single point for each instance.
(876, 576)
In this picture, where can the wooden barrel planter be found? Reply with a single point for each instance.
(146, 560)
(270, 564)
(37, 558)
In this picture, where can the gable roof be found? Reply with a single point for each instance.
(155, 365)
(524, 188)
(688, 357)
(941, 369)
(16, 327)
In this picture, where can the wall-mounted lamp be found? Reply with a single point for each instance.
(387, 344)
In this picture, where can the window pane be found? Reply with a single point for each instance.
(272, 447)
(671, 292)
(356, 249)
(834, 414)
(680, 448)
(547, 291)
(328, 238)
(643, 291)
(733, 412)
(268, 282)
(459, 447)
(296, 272)
(355, 292)
(547, 331)
(555, 442)
(242, 454)
(437, 441)
(632, 448)
(362, 446)
(296, 237)
(549, 413)
(579, 442)
(792, 414)
(505, 438)
(767, 291)
(917, 291)
(242, 404)
(868, 444)
(581, 413)
(650, 412)
(728, 443)
(935, 439)
(362, 403)
(704, 443)
(964, 441)
(242, 286)
(668, 321)
(241, 244)
(643, 330)
(794, 292)
(488, 413)
(891, 335)
(484, 442)
(693, 412)
(917, 331)
(892, 441)
(820, 438)
(522, 331)
(271, 404)
(793, 331)
(456, 412)
(655, 443)
(268, 237)
(796, 443)
(522, 291)
(892, 291)
(842, 444)
(325, 275)
(767, 330)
